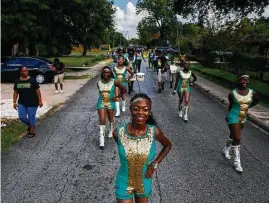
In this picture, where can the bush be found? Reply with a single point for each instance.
(247, 62)
(191, 57)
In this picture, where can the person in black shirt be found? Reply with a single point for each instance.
(162, 70)
(27, 89)
(59, 68)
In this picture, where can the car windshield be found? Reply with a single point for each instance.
(45, 60)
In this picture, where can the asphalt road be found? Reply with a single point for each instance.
(64, 164)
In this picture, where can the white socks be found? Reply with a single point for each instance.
(117, 103)
(186, 108)
(123, 105)
(112, 127)
(180, 113)
(237, 162)
(226, 149)
(102, 136)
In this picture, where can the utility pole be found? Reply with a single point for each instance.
(177, 36)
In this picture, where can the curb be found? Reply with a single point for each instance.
(224, 102)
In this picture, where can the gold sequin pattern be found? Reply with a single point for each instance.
(137, 152)
(244, 102)
(105, 89)
(119, 73)
(185, 77)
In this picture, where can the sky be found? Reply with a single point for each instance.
(126, 19)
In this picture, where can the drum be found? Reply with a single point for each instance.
(140, 76)
(173, 69)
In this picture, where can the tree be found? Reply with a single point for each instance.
(89, 21)
(146, 30)
(201, 8)
(53, 26)
(160, 14)
(134, 41)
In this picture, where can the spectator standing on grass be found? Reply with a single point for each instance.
(27, 89)
(59, 69)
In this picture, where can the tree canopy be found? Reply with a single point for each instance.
(53, 26)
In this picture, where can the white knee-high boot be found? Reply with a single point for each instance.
(237, 162)
(112, 127)
(180, 113)
(123, 105)
(186, 109)
(117, 103)
(102, 136)
(226, 149)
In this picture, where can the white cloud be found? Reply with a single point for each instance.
(266, 12)
(128, 20)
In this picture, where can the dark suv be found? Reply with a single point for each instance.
(39, 68)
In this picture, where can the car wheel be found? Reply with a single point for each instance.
(40, 78)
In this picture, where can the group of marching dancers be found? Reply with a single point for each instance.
(136, 140)
(113, 88)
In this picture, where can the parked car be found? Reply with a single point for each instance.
(167, 50)
(4, 59)
(39, 68)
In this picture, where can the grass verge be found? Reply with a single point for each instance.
(15, 130)
(80, 61)
(228, 80)
(87, 76)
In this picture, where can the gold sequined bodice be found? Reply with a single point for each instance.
(185, 78)
(244, 103)
(120, 73)
(105, 90)
(137, 151)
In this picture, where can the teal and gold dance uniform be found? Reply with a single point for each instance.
(121, 74)
(135, 155)
(106, 92)
(184, 83)
(239, 110)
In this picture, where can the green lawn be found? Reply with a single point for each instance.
(11, 134)
(15, 130)
(228, 80)
(80, 61)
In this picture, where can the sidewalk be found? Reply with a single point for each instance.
(258, 114)
(47, 91)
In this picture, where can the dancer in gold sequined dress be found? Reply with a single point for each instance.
(240, 99)
(137, 145)
(121, 75)
(106, 102)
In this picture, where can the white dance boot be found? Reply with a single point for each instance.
(123, 105)
(117, 103)
(112, 127)
(237, 162)
(185, 117)
(180, 113)
(226, 149)
(102, 136)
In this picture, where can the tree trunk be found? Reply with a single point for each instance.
(84, 50)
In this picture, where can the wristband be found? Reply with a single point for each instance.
(154, 165)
